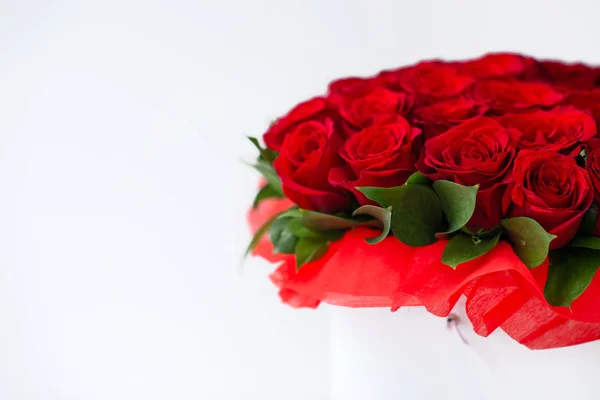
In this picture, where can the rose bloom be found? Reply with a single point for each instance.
(437, 118)
(342, 90)
(562, 129)
(307, 155)
(551, 189)
(428, 81)
(587, 100)
(380, 155)
(315, 109)
(497, 65)
(477, 152)
(569, 76)
(593, 165)
(503, 96)
(360, 111)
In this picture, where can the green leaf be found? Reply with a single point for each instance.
(530, 241)
(269, 173)
(309, 249)
(458, 203)
(259, 234)
(418, 179)
(588, 223)
(383, 215)
(265, 193)
(283, 240)
(265, 154)
(327, 222)
(416, 212)
(571, 271)
(462, 248)
(588, 242)
(296, 227)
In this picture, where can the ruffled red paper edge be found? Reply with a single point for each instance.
(501, 291)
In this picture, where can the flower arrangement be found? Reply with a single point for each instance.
(429, 182)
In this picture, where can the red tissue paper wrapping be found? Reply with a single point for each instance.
(501, 291)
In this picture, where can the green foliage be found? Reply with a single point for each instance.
(383, 215)
(571, 271)
(416, 212)
(458, 203)
(462, 248)
(530, 241)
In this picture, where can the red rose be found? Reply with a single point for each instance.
(342, 90)
(497, 65)
(428, 80)
(477, 152)
(437, 118)
(313, 109)
(562, 129)
(593, 165)
(587, 100)
(551, 189)
(569, 76)
(360, 111)
(511, 95)
(380, 155)
(307, 155)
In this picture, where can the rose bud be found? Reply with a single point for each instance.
(497, 65)
(593, 165)
(307, 155)
(503, 96)
(437, 118)
(551, 189)
(562, 129)
(480, 152)
(381, 155)
(315, 109)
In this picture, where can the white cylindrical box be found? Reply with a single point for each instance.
(411, 354)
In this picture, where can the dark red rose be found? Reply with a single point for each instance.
(428, 80)
(563, 129)
(314, 109)
(593, 165)
(343, 90)
(437, 118)
(587, 100)
(307, 155)
(551, 189)
(504, 96)
(360, 111)
(569, 76)
(497, 65)
(380, 155)
(477, 152)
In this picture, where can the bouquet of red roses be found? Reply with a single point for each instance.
(428, 182)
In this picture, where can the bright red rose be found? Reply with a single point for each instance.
(343, 90)
(593, 165)
(380, 155)
(569, 76)
(437, 118)
(497, 65)
(307, 155)
(504, 96)
(477, 152)
(562, 129)
(429, 80)
(551, 189)
(314, 109)
(587, 100)
(360, 111)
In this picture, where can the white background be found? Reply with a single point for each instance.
(123, 194)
